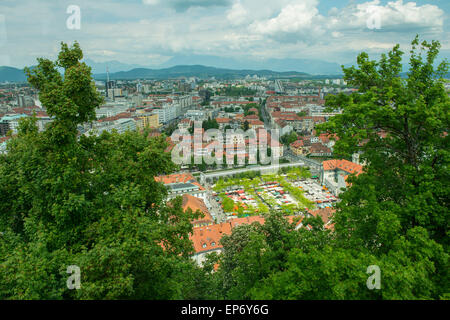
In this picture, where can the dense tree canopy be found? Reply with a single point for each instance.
(394, 216)
(399, 127)
(210, 124)
(89, 201)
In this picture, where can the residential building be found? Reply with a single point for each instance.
(207, 239)
(180, 184)
(10, 122)
(334, 174)
(223, 122)
(319, 150)
(185, 124)
(149, 121)
(297, 147)
(195, 204)
(3, 141)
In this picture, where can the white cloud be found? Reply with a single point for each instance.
(394, 16)
(133, 32)
(302, 18)
(183, 5)
(295, 17)
(376, 46)
(237, 14)
(150, 2)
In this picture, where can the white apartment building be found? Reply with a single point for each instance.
(196, 115)
(111, 110)
(167, 112)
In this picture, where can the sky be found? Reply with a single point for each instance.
(150, 32)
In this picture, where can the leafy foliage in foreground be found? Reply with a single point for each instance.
(394, 216)
(87, 201)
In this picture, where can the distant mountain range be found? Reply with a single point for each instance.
(310, 66)
(113, 66)
(199, 71)
(224, 68)
(314, 67)
(10, 74)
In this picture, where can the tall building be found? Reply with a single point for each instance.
(139, 87)
(184, 87)
(279, 86)
(167, 112)
(107, 82)
(24, 101)
(10, 122)
(20, 100)
(115, 92)
(149, 121)
(110, 85)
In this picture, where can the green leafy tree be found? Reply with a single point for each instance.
(288, 138)
(90, 201)
(399, 127)
(394, 215)
(246, 125)
(210, 124)
(228, 204)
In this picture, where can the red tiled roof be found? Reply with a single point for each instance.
(122, 115)
(230, 102)
(344, 165)
(324, 213)
(256, 122)
(179, 178)
(41, 114)
(26, 110)
(195, 204)
(251, 117)
(222, 120)
(3, 139)
(203, 238)
(319, 148)
(297, 144)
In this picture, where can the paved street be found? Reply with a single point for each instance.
(313, 164)
(265, 116)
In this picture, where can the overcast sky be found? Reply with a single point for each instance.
(149, 32)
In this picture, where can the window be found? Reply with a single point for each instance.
(213, 244)
(204, 245)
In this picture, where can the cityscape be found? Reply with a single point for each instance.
(209, 177)
(291, 107)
